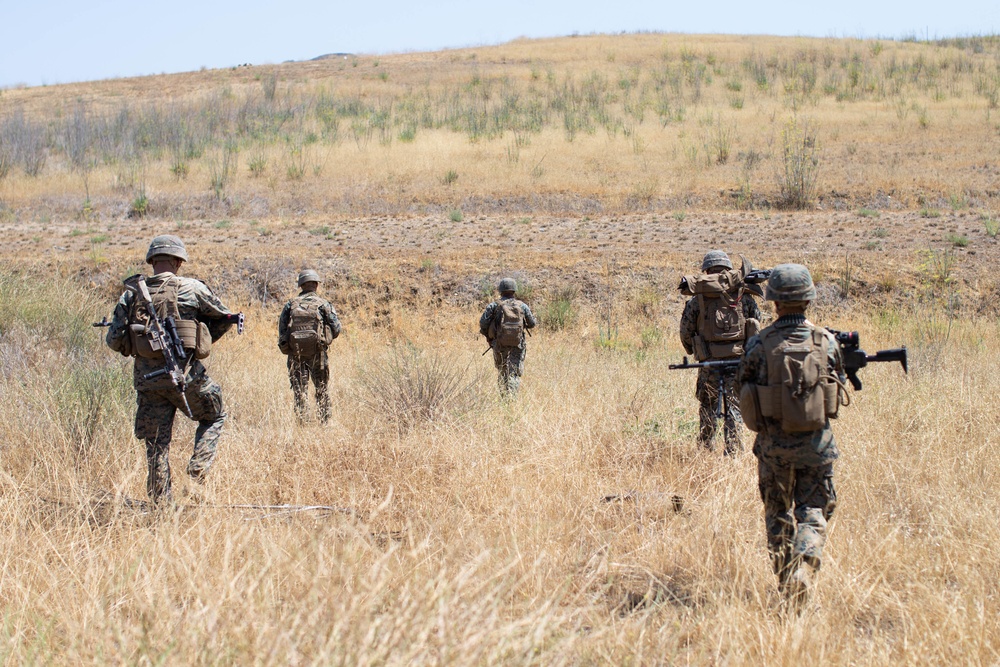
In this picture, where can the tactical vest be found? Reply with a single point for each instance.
(722, 326)
(308, 334)
(194, 335)
(801, 392)
(507, 328)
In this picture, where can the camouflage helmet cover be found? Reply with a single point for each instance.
(715, 258)
(166, 244)
(790, 282)
(507, 285)
(308, 276)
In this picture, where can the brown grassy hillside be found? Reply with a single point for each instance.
(585, 125)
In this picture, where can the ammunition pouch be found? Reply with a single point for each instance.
(196, 338)
(143, 344)
(303, 344)
(750, 407)
(707, 351)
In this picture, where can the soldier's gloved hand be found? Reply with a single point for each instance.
(684, 284)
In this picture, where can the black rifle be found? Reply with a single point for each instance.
(103, 323)
(757, 276)
(719, 368)
(164, 338)
(855, 358)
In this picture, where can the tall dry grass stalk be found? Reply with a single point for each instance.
(483, 538)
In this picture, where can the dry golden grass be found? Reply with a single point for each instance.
(484, 537)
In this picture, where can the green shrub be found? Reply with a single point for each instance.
(139, 207)
(799, 165)
(990, 225)
(957, 240)
(560, 312)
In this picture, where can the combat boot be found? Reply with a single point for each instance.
(797, 587)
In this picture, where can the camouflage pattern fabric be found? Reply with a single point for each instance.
(716, 258)
(798, 503)
(795, 470)
(707, 391)
(790, 282)
(317, 368)
(707, 385)
(299, 372)
(157, 404)
(157, 401)
(509, 361)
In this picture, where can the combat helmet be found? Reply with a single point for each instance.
(507, 285)
(790, 282)
(166, 244)
(715, 258)
(308, 276)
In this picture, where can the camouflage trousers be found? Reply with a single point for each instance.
(299, 372)
(707, 392)
(154, 423)
(798, 502)
(509, 362)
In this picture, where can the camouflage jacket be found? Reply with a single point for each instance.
(326, 311)
(689, 319)
(773, 444)
(195, 301)
(491, 313)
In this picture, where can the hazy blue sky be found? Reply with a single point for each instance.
(59, 41)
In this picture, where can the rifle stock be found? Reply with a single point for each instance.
(238, 319)
(855, 358)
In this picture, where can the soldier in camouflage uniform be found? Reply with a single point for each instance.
(795, 467)
(315, 364)
(157, 399)
(508, 358)
(707, 384)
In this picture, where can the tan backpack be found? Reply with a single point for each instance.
(722, 326)
(507, 328)
(801, 392)
(307, 331)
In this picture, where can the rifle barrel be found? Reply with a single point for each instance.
(719, 365)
